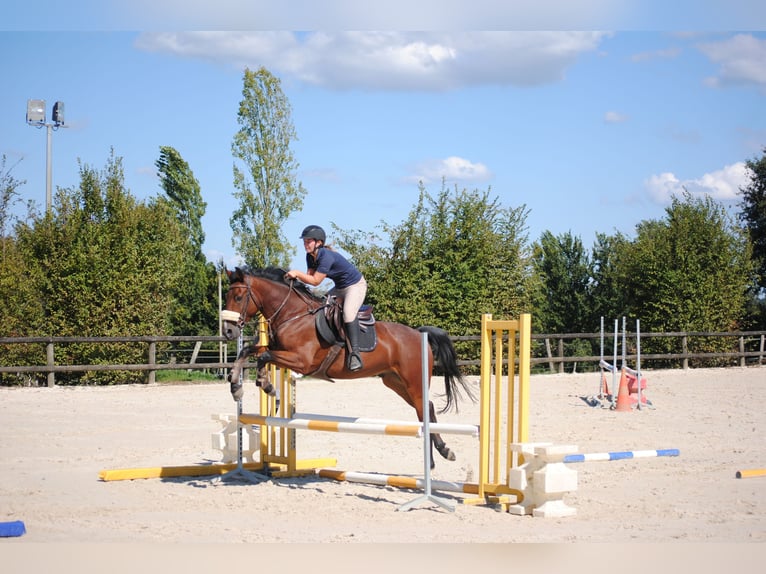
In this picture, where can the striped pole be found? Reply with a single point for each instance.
(620, 455)
(446, 428)
(413, 430)
(397, 481)
(329, 423)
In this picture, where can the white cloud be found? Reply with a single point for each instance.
(741, 61)
(452, 169)
(722, 185)
(389, 60)
(615, 117)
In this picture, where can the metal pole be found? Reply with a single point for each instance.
(427, 495)
(49, 169)
(638, 362)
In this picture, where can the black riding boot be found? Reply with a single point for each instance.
(352, 332)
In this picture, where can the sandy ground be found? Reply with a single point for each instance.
(55, 441)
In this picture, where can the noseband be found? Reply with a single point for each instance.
(239, 318)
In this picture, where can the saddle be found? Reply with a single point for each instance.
(330, 327)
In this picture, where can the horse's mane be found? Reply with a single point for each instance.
(277, 275)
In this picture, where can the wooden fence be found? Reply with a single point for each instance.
(212, 353)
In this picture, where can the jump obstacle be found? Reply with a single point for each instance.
(519, 476)
(504, 414)
(631, 384)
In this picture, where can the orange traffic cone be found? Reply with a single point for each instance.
(623, 397)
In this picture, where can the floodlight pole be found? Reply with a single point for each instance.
(49, 169)
(36, 118)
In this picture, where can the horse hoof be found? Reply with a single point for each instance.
(237, 391)
(447, 453)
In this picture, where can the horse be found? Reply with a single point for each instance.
(290, 311)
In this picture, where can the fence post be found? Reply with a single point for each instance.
(49, 359)
(549, 354)
(152, 376)
(561, 355)
(742, 359)
(685, 351)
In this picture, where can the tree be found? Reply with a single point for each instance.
(563, 266)
(182, 188)
(266, 188)
(21, 304)
(456, 256)
(102, 264)
(194, 309)
(688, 272)
(562, 302)
(753, 215)
(606, 298)
(8, 197)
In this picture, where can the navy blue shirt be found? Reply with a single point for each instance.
(335, 266)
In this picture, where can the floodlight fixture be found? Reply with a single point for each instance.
(36, 118)
(58, 113)
(36, 112)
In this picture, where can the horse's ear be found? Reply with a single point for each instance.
(236, 275)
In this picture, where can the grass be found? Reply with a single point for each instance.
(182, 375)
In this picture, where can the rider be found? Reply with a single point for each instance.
(323, 261)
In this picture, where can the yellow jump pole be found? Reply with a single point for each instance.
(752, 473)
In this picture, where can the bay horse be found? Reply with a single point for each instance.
(290, 310)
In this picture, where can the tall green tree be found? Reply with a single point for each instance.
(753, 216)
(688, 272)
(103, 264)
(22, 308)
(457, 255)
(182, 188)
(563, 266)
(753, 213)
(8, 197)
(265, 180)
(606, 297)
(194, 302)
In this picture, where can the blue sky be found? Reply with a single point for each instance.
(592, 130)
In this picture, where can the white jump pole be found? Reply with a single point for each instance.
(446, 428)
(427, 495)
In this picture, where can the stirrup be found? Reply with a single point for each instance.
(354, 362)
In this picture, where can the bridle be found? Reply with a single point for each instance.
(250, 296)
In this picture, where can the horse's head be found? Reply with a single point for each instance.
(240, 304)
(251, 292)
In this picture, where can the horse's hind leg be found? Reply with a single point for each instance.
(436, 438)
(396, 384)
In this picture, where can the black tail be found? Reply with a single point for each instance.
(445, 364)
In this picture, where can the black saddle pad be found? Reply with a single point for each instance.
(367, 337)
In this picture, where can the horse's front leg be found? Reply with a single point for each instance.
(235, 375)
(262, 378)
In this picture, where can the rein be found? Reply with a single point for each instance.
(269, 320)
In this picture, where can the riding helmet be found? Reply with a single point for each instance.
(314, 232)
